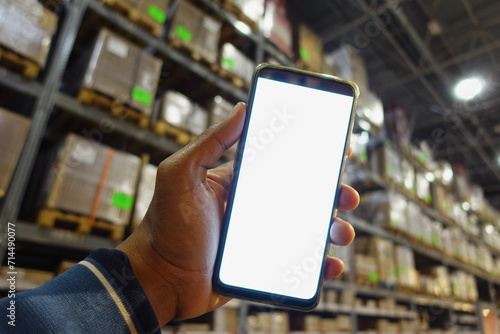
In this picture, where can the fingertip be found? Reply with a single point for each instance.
(341, 233)
(333, 268)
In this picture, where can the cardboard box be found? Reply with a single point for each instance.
(152, 12)
(385, 209)
(343, 322)
(408, 175)
(344, 253)
(220, 110)
(328, 325)
(13, 132)
(145, 192)
(310, 49)
(236, 62)
(122, 71)
(387, 163)
(27, 29)
(196, 30)
(176, 109)
(405, 263)
(225, 320)
(366, 267)
(383, 252)
(359, 142)
(277, 27)
(82, 165)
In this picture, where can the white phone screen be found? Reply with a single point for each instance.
(286, 188)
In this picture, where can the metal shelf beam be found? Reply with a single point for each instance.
(18, 83)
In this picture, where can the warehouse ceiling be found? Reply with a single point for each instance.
(415, 52)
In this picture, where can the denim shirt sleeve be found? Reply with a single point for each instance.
(98, 295)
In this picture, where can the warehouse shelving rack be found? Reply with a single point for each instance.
(47, 96)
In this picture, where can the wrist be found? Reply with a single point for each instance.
(155, 281)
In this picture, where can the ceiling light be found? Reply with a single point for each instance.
(469, 88)
(466, 206)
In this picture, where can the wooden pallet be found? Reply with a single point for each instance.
(235, 80)
(28, 68)
(182, 137)
(230, 7)
(185, 48)
(406, 289)
(115, 107)
(57, 219)
(135, 16)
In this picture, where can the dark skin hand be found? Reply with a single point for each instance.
(173, 251)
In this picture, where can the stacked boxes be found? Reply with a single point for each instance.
(145, 192)
(386, 162)
(310, 49)
(268, 322)
(464, 286)
(122, 71)
(371, 108)
(226, 320)
(277, 27)
(195, 30)
(236, 62)
(328, 66)
(198, 121)
(76, 177)
(385, 209)
(423, 188)
(220, 110)
(366, 268)
(27, 28)
(13, 132)
(405, 264)
(383, 252)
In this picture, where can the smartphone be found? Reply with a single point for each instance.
(287, 177)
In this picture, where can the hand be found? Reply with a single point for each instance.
(173, 251)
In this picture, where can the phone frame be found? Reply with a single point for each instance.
(280, 73)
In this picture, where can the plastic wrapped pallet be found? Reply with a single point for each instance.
(405, 263)
(253, 9)
(277, 27)
(13, 131)
(423, 188)
(81, 167)
(352, 67)
(122, 71)
(387, 162)
(236, 62)
(145, 192)
(417, 221)
(436, 235)
(198, 120)
(27, 28)
(359, 142)
(176, 109)
(383, 251)
(310, 49)
(408, 175)
(195, 30)
(444, 173)
(384, 208)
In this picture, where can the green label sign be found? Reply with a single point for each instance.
(373, 277)
(122, 201)
(142, 96)
(304, 54)
(157, 14)
(183, 33)
(229, 63)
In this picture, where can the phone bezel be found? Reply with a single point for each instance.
(306, 79)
